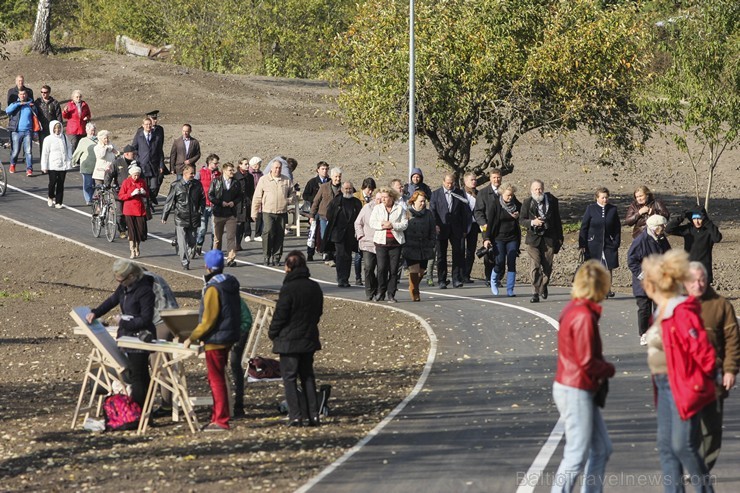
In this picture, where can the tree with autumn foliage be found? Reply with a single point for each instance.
(698, 96)
(490, 71)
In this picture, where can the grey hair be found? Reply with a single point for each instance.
(102, 134)
(542, 183)
(698, 266)
(76, 92)
(124, 268)
(506, 186)
(90, 126)
(335, 171)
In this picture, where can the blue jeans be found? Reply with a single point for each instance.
(205, 219)
(16, 137)
(678, 444)
(587, 443)
(88, 187)
(507, 252)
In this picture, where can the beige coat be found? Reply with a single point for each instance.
(272, 195)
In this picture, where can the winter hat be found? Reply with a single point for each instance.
(417, 171)
(134, 169)
(214, 260)
(129, 148)
(656, 220)
(696, 215)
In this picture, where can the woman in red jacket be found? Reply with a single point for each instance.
(580, 382)
(77, 114)
(133, 194)
(682, 362)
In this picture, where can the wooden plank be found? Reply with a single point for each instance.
(100, 338)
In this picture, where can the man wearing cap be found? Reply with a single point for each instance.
(185, 150)
(699, 236)
(218, 328)
(651, 240)
(720, 322)
(149, 156)
(114, 176)
(187, 200)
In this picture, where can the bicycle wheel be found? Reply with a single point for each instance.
(111, 223)
(3, 180)
(95, 220)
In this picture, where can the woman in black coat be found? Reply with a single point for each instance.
(601, 233)
(135, 297)
(294, 333)
(420, 234)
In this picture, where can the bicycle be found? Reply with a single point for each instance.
(104, 212)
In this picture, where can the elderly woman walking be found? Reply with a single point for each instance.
(77, 114)
(134, 194)
(84, 157)
(420, 236)
(56, 159)
(389, 221)
(581, 382)
(601, 233)
(105, 154)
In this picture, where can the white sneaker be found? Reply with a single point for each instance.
(257, 238)
(50, 202)
(247, 239)
(58, 206)
(643, 340)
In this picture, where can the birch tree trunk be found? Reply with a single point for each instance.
(41, 31)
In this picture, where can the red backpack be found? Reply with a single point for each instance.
(121, 412)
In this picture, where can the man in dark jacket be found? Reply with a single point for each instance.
(541, 216)
(246, 184)
(294, 333)
(319, 205)
(651, 240)
(20, 85)
(47, 110)
(219, 328)
(452, 216)
(340, 231)
(225, 194)
(699, 236)
(186, 199)
(147, 145)
(309, 194)
(114, 176)
(486, 203)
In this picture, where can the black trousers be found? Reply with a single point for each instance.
(235, 360)
(138, 374)
(388, 259)
(293, 366)
(471, 243)
(458, 256)
(343, 259)
(56, 185)
(645, 307)
(370, 263)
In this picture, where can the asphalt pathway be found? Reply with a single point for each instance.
(483, 419)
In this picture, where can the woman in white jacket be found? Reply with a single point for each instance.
(105, 154)
(389, 221)
(56, 160)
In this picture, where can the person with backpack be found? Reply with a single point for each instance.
(136, 299)
(218, 328)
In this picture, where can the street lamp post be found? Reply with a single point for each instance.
(412, 102)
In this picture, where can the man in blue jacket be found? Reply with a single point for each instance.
(20, 126)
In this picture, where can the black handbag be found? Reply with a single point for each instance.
(600, 395)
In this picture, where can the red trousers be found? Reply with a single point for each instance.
(216, 363)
